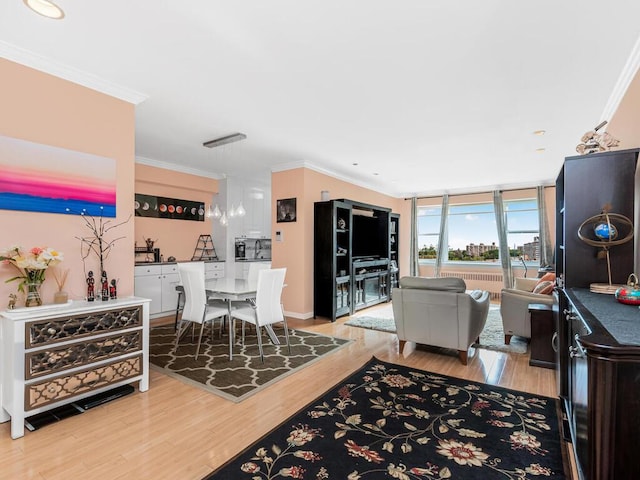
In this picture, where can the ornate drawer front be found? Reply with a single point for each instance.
(90, 351)
(64, 387)
(42, 332)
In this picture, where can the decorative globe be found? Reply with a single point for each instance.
(603, 233)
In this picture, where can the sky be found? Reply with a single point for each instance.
(477, 224)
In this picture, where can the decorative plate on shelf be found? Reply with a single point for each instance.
(604, 288)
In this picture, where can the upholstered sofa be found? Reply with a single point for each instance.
(514, 304)
(439, 312)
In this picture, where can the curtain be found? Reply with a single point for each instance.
(505, 258)
(414, 268)
(442, 238)
(546, 246)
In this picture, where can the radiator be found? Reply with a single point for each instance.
(491, 282)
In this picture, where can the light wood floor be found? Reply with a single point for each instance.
(176, 431)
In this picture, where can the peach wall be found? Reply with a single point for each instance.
(175, 238)
(624, 124)
(296, 250)
(41, 108)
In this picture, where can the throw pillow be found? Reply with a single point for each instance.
(544, 288)
(547, 277)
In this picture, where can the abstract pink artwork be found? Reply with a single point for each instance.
(43, 178)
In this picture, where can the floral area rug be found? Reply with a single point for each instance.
(392, 421)
(246, 374)
(491, 338)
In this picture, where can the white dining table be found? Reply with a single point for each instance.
(231, 289)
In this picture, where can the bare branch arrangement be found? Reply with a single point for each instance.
(96, 242)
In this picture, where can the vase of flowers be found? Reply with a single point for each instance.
(31, 266)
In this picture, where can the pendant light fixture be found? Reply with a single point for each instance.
(223, 216)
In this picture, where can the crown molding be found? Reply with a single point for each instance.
(624, 80)
(177, 168)
(46, 65)
(481, 189)
(311, 166)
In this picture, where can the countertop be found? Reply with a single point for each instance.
(137, 264)
(621, 322)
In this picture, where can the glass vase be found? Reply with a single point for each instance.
(34, 299)
(60, 297)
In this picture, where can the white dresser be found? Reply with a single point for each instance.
(53, 355)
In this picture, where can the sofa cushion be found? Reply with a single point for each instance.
(544, 288)
(449, 284)
(525, 284)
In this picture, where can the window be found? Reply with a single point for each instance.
(523, 230)
(428, 231)
(472, 234)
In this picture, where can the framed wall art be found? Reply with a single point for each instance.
(42, 178)
(164, 207)
(286, 210)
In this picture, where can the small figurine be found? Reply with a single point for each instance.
(12, 301)
(90, 287)
(113, 294)
(105, 287)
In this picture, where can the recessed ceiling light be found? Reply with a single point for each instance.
(540, 150)
(45, 8)
(354, 164)
(376, 173)
(539, 132)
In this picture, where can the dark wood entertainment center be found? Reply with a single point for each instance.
(598, 337)
(355, 256)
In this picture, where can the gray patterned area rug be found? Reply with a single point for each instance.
(491, 338)
(245, 375)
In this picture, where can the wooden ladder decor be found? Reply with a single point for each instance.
(204, 249)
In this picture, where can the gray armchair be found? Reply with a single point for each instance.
(514, 306)
(439, 312)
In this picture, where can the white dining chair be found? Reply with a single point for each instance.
(268, 307)
(252, 279)
(196, 310)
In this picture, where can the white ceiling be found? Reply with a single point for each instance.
(431, 95)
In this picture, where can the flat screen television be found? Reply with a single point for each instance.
(367, 238)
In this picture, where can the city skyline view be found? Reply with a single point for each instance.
(475, 224)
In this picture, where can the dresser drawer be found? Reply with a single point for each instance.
(169, 268)
(58, 359)
(68, 386)
(143, 270)
(44, 332)
(213, 270)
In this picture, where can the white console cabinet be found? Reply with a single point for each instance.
(213, 270)
(57, 354)
(158, 282)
